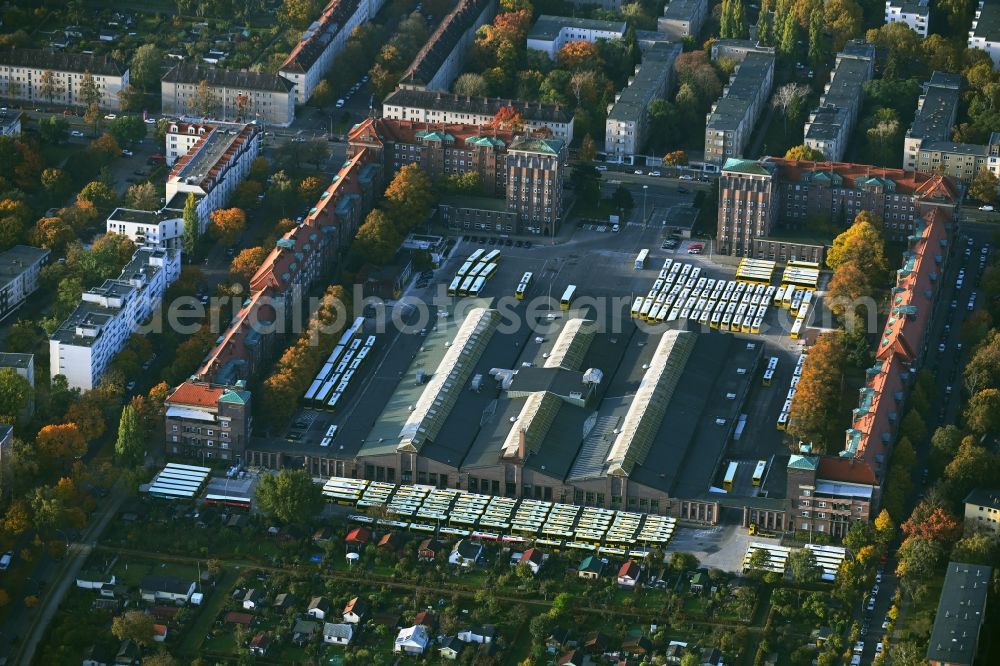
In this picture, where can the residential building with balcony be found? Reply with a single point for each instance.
(732, 119)
(212, 167)
(430, 106)
(19, 269)
(985, 31)
(98, 328)
(238, 95)
(23, 74)
(829, 127)
(682, 19)
(208, 421)
(163, 228)
(914, 13)
(551, 33)
(627, 126)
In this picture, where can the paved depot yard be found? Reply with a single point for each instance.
(602, 267)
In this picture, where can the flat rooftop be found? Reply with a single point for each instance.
(657, 64)
(206, 155)
(987, 26)
(682, 10)
(17, 260)
(742, 90)
(142, 216)
(960, 614)
(11, 360)
(959, 148)
(937, 112)
(548, 27)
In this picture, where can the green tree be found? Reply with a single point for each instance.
(48, 87)
(804, 152)
(142, 196)
(135, 625)
(984, 186)
(919, 559)
(803, 567)
(127, 129)
(53, 129)
(192, 229)
(145, 66)
(471, 85)
(982, 413)
(409, 197)
(621, 198)
(817, 39)
(587, 149)
(100, 195)
(322, 94)
(281, 190)
(130, 447)
(15, 392)
(89, 92)
(789, 36)
(290, 496)
(203, 101)
(376, 240)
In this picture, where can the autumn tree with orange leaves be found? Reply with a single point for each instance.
(814, 418)
(933, 522)
(246, 263)
(228, 224)
(507, 118)
(578, 54)
(58, 444)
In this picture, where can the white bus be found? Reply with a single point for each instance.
(492, 257)
(455, 285)
(758, 473)
(727, 482)
(476, 256)
(640, 261)
(477, 286)
(567, 298)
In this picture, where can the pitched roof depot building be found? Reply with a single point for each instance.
(765, 206)
(238, 94)
(322, 42)
(431, 106)
(22, 71)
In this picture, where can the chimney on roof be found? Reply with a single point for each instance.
(522, 445)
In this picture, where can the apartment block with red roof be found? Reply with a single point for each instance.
(768, 207)
(826, 493)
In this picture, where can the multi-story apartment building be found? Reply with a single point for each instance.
(238, 95)
(299, 259)
(212, 168)
(774, 200)
(322, 41)
(826, 493)
(440, 61)
(19, 268)
(682, 19)
(961, 612)
(927, 146)
(937, 109)
(208, 421)
(83, 345)
(163, 228)
(914, 13)
(551, 33)
(429, 106)
(733, 117)
(985, 31)
(829, 127)
(525, 170)
(54, 77)
(737, 49)
(982, 511)
(181, 137)
(627, 126)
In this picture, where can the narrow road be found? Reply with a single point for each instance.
(36, 621)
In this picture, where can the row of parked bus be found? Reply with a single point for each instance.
(333, 378)
(787, 407)
(730, 478)
(478, 269)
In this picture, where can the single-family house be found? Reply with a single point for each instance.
(596, 642)
(234, 617)
(303, 631)
(427, 619)
(253, 599)
(159, 632)
(128, 653)
(484, 634)
(93, 580)
(675, 652)
(356, 610)
(322, 535)
(574, 657)
(318, 608)
(559, 638)
(337, 634)
(164, 613)
(166, 588)
(639, 645)
(699, 581)
(357, 539)
(284, 601)
(590, 568)
(390, 541)
(411, 640)
(628, 574)
(451, 647)
(533, 559)
(465, 553)
(260, 644)
(428, 550)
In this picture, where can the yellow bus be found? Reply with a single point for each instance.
(637, 306)
(768, 378)
(455, 285)
(786, 298)
(488, 272)
(782, 421)
(492, 257)
(477, 286)
(466, 285)
(758, 473)
(797, 326)
(523, 286)
(727, 482)
(464, 270)
(567, 298)
(476, 256)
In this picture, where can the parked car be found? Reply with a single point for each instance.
(5, 560)
(111, 116)
(654, 173)
(987, 208)
(686, 177)
(127, 153)
(340, 103)
(601, 167)
(76, 133)
(638, 172)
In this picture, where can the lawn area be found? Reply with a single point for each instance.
(131, 572)
(202, 624)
